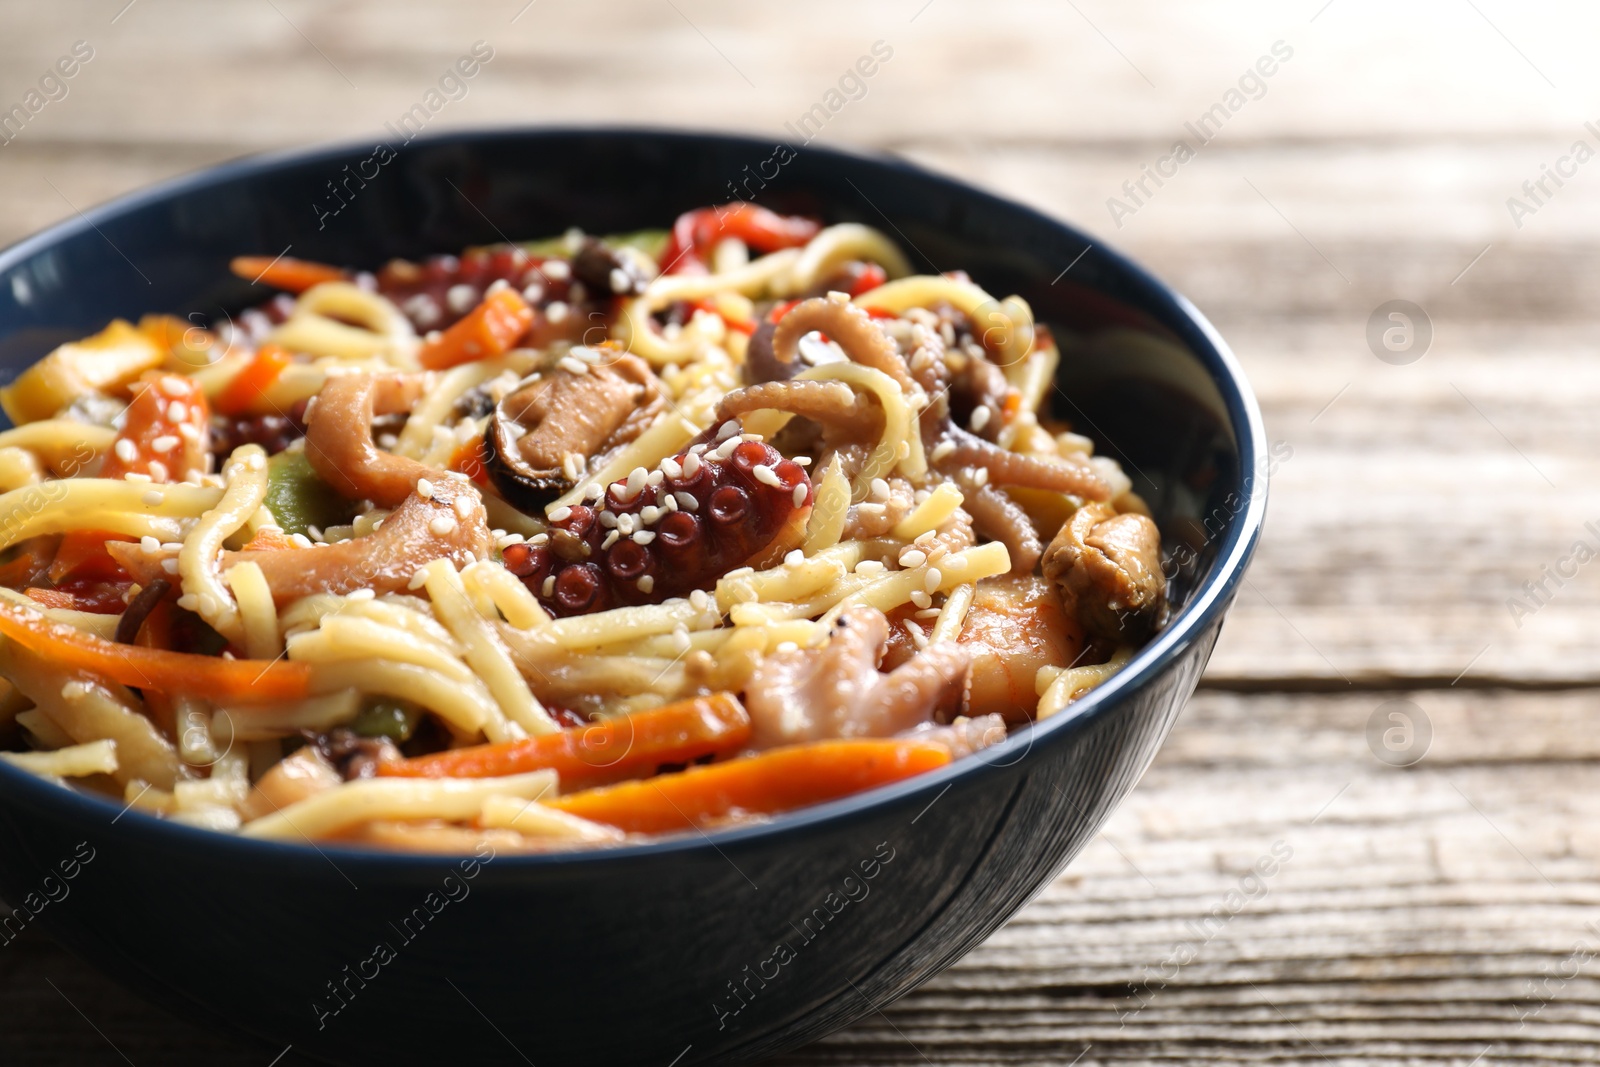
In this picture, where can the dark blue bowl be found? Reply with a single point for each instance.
(718, 948)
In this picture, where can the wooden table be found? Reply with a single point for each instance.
(1444, 912)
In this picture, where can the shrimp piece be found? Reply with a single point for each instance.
(1015, 626)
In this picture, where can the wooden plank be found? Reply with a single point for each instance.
(1096, 69)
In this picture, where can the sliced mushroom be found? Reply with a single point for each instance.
(1108, 568)
(545, 432)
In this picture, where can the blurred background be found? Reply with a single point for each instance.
(1391, 211)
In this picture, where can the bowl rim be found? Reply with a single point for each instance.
(1210, 601)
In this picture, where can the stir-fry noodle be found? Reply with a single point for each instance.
(564, 543)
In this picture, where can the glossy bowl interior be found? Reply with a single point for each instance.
(710, 948)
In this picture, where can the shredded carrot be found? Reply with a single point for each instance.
(244, 392)
(82, 556)
(95, 597)
(600, 752)
(777, 780)
(488, 330)
(269, 539)
(32, 557)
(295, 275)
(218, 680)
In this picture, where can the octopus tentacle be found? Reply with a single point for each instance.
(999, 518)
(851, 327)
(1068, 475)
(826, 402)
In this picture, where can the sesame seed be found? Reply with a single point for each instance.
(363, 594)
(499, 285)
(177, 412)
(926, 536)
(941, 450)
(556, 312)
(300, 540)
(170, 566)
(126, 450)
(611, 539)
(728, 429)
(152, 499)
(644, 537)
(135, 476)
(680, 639)
(463, 506)
(765, 475)
(572, 466)
(417, 578)
(149, 544)
(671, 468)
(795, 558)
(698, 600)
(423, 309)
(837, 297)
(870, 566)
(533, 292)
(656, 478)
(800, 494)
(619, 280)
(686, 501)
(870, 509)
(980, 417)
(573, 366)
(188, 602)
(726, 449)
(698, 449)
(174, 386)
(932, 580)
(548, 588)
(912, 557)
(561, 514)
(188, 431)
(646, 584)
(691, 464)
(981, 478)
(637, 479)
(442, 525)
(424, 489)
(921, 599)
(608, 519)
(804, 461)
(594, 492)
(880, 489)
(649, 514)
(461, 298)
(557, 270)
(625, 523)
(539, 540)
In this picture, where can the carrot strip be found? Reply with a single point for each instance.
(216, 679)
(82, 556)
(162, 407)
(488, 330)
(295, 275)
(599, 752)
(777, 780)
(247, 387)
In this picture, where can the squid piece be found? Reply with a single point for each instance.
(837, 691)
